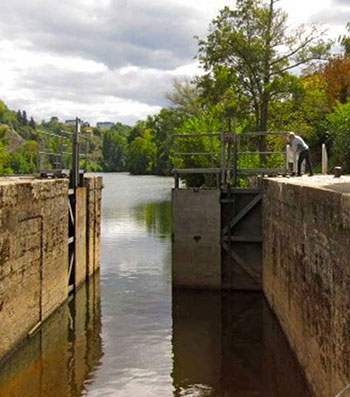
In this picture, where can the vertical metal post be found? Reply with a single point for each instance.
(324, 160)
(229, 157)
(235, 158)
(38, 158)
(75, 159)
(176, 177)
(287, 157)
(87, 148)
(223, 170)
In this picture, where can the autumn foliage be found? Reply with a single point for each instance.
(336, 75)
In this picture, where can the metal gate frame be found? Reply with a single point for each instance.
(241, 237)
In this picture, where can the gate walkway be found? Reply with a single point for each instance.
(238, 163)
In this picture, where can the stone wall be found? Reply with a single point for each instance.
(33, 254)
(34, 250)
(196, 246)
(306, 274)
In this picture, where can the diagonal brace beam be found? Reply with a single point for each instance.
(242, 213)
(255, 276)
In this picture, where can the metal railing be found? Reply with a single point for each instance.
(59, 153)
(232, 156)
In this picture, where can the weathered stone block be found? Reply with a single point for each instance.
(33, 254)
(306, 273)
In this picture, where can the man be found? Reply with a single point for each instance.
(301, 148)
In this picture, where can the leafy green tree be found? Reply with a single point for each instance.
(207, 122)
(24, 118)
(142, 154)
(19, 117)
(185, 96)
(163, 125)
(339, 131)
(114, 151)
(137, 130)
(23, 160)
(247, 40)
(32, 123)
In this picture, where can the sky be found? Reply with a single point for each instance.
(113, 60)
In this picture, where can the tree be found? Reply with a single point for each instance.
(23, 159)
(141, 154)
(19, 116)
(345, 41)
(339, 126)
(137, 130)
(32, 123)
(185, 96)
(336, 75)
(163, 125)
(247, 41)
(24, 118)
(114, 150)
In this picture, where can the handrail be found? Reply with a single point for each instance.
(228, 164)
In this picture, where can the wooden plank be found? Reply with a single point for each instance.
(196, 171)
(242, 213)
(261, 170)
(266, 171)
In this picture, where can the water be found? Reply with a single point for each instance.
(127, 334)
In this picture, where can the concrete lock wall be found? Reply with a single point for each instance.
(196, 246)
(306, 276)
(34, 250)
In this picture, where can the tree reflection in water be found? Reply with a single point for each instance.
(156, 216)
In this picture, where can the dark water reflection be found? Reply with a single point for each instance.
(148, 341)
(62, 358)
(229, 344)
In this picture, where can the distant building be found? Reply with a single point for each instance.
(70, 122)
(89, 131)
(105, 125)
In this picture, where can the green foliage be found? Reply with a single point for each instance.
(206, 122)
(246, 40)
(185, 97)
(23, 160)
(142, 154)
(7, 116)
(162, 126)
(114, 151)
(339, 131)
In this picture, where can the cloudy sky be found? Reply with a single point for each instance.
(113, 59)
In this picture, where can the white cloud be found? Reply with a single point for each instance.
(112, 59)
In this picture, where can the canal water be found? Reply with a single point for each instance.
(126, 334)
